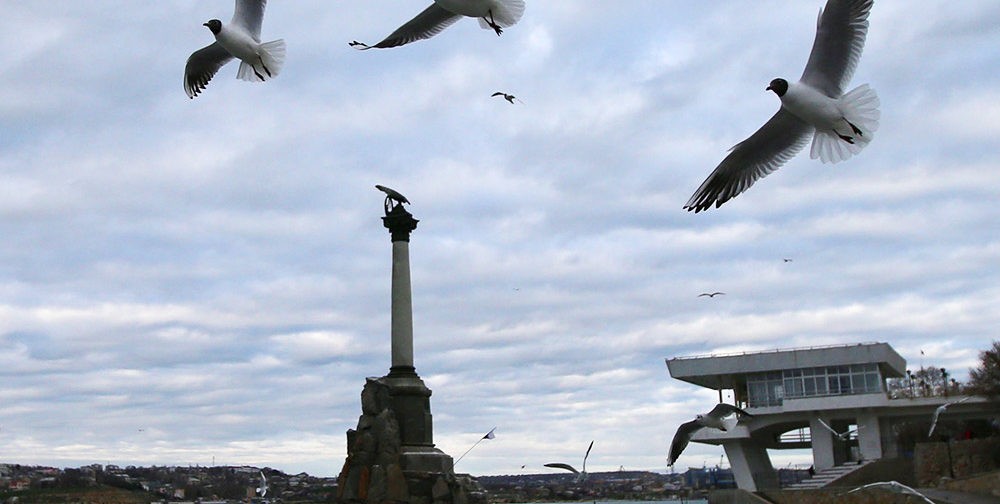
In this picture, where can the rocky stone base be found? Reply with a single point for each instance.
(958, 459)
(375, 471)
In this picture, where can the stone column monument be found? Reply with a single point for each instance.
(391, 456)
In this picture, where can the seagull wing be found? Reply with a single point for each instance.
(560, 465)
(962, 400)
(392, 193)
(249, 14)
(901, 488)
(587, 455)
(824, 424)
(777, 141)
(681, 439)
(722, 410)
(201, 67)
(840, 37)
(428, 23)
(934, 418)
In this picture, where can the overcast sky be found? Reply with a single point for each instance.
(183, 281)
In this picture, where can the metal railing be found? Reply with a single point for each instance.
(776, 350)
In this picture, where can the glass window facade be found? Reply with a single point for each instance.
(770, 388)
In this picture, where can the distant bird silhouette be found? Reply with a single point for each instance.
(495, 14)
(940, 409)
(712, 419)
(892, 486)
(711, 294)
(580, 475)
(508, 97)
(787, 260)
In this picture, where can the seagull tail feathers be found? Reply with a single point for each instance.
(860, 109)
(272, 58)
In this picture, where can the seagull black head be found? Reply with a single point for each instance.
(779, 86)
(215, 25)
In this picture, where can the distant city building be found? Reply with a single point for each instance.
(792, 393)
(712, 477)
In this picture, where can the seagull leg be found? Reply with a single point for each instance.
(493, 24)
(259, 76)
(262, 65)
(857, 130)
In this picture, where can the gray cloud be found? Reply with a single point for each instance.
(214, 271)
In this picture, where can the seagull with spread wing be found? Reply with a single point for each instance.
(580, 475)
(495, 14)
(506, 96)
(711, 294)
(842, 435)
(840, 124)
(892, 486)
(238, 39)
(940, 409)
(713, 419)
(262, 490)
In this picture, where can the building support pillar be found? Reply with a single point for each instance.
(869, 436)
(751, 465)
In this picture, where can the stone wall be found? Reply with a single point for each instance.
(374, 472)
(985, 484)
(966, 458)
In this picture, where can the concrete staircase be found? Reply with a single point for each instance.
(827, 476)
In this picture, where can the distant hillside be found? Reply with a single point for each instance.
(89, 495)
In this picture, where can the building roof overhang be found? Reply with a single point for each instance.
(729, 370)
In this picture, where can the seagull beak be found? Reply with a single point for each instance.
(204, 24)
(768, 88)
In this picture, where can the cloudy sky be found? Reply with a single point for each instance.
(188, 281)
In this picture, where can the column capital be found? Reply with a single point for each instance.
(400, 223)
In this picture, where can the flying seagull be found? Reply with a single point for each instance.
(940, 409)
(842, 435)
(711, 419)
(508, 97)
(712, 294)
(240, 39)
(892, 486)
(263, 485)
(840, 124)
(580, 475)
(495, 14)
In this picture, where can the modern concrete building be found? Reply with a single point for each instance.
(792, 393)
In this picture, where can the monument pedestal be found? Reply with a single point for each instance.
(382, 468)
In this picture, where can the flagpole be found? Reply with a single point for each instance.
(487, 436)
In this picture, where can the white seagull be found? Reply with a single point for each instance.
(840, 124)
(263, 485)
(580, 475)
(940, 409)
(711, 419)
(892, 486)
(842, 435)
(240, 39)
(495, 14)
